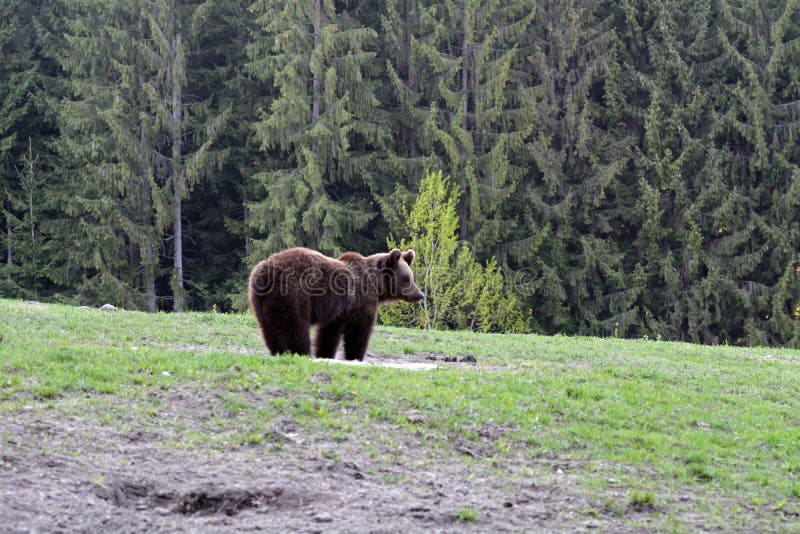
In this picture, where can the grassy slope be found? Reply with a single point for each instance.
(656, 422)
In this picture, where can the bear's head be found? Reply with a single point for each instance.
(397, 279)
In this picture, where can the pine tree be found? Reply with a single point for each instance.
(216, 228)
(458, 76)
(26, 244)
(318, 129)
(572, 225)
(668, 160)
(757, 222)
(172, 26)
(24, 132)
(94, 229)
(405, 99)
(124, 190)
(715, 236)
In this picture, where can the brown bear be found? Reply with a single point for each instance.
(296, 288)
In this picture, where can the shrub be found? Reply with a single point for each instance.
(460, 292)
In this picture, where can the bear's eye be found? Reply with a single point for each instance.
(405, 279)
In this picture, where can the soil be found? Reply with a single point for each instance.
(72, 474)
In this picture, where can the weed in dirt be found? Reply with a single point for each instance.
(642, 500)
(254, 438)
(331, 455)
(44, 392)
(613, 508)
(467, 514)
(701, 473)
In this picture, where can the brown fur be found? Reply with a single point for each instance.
(295, 288)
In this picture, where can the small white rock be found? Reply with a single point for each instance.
(323, 517)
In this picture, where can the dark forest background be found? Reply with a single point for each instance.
(639, 159)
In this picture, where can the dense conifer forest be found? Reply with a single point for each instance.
(636, 161)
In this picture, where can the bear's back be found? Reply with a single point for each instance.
(304, 277)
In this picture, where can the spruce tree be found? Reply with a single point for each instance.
(756, 245)
(457, 74)
(573, 230)
(95, 228)
(406, 92)
(25, 130)
(129, 159)
(173, 25)
(668, 160)
(216, 240)
(318, 132)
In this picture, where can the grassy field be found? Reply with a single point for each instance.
(622, 435)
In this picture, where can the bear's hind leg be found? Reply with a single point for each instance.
(328, 338)
(288, 337)
(271, 342)
(300, 341)
(271, 336)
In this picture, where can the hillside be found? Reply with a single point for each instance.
(130, 421)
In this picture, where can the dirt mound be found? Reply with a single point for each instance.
(207, 499)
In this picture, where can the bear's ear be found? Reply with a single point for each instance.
(393, 258)
(409, 255)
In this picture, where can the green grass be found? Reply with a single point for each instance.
(642, 499)
(468, 515)
(654, 419)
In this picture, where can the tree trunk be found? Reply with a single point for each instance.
(313, 235)
(317, 29)
(410, 72)
(179, 297)
(9, 233)
(30, 178)
(465, 68)
(465, 65)
(149, 252)
(149, 275)
(179, 301)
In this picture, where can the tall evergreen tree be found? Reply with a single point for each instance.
(669, 157)
(126, 189)
(24, 133)
(457, 74)
(713, 169)
(216, 230)
(756, 224)
(97, 225)
(573, 216)
(405, 98)
(319, 128)
(172, 27)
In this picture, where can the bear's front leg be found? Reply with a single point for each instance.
(356, 339)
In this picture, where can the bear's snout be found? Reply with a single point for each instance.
(416, 298)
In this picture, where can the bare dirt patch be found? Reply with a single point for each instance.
(381, 362)
(72, 474)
